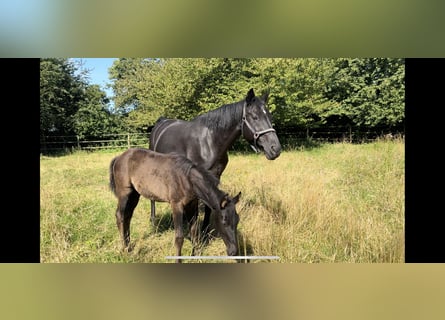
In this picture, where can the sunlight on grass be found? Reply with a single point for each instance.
(334, 203)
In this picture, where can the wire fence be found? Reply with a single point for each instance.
(290, 137)
(54, 144)
(337, 134)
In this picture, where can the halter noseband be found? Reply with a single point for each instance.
(256, 134)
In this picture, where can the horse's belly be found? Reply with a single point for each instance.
(152, 196)
(154, 191)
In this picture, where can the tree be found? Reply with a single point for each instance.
(69, 105)
(296, 87)
(93, 118)
(61, 91)
(368, 92)
(177, 87)
(304, 92)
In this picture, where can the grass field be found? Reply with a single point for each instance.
(331, 203)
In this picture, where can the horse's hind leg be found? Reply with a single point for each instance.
(179, 232)
(153, 211)
(124, 214)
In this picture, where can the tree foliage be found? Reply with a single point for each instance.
(69, 105)
(304, 92)
(93, 118)
(60, 93)
(368, 92)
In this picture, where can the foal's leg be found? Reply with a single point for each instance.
(178, 210)
(124, 213)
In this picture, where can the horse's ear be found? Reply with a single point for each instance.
(236, 198)
(250, 96)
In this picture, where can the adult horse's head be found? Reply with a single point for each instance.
(227, 222)
(256, 126)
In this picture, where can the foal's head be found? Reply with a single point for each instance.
(227, 222)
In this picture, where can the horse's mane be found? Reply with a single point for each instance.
(221, 117)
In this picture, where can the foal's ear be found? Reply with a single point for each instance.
(250, 96)
(236, 198)
(224, 201)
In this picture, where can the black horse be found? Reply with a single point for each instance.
(206, 139)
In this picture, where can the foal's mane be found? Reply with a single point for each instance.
(182, 163)
(186, 166)
(205, 184)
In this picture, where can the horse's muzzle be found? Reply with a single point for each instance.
(232, 250)
(270, 145)
(273, 152)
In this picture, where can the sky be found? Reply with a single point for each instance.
(99, 72)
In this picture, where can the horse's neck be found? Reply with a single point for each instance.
(227, 133)
(205, 190)
(212, 197)
(227, 140)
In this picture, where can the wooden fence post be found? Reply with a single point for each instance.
(128, 141)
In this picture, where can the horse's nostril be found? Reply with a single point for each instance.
(232, 251)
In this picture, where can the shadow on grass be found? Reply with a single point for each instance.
(245, 248)
(164, 222)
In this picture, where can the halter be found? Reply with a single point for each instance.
(256, 134)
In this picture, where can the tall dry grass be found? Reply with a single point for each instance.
(333, 203)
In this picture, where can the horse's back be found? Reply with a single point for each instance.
(187, 138)
(155, 176)
(120, 182)
(158, 135)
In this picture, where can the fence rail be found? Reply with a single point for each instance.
(289, 136)
(50, 144)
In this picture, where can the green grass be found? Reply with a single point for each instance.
(333, 203)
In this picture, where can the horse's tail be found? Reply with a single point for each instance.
(112, 183)
(160, 119)
(150, 128)
(153, 132)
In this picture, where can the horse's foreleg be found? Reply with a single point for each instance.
(179, 232)
(205, 223)
(191, 214)
(194, 234)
